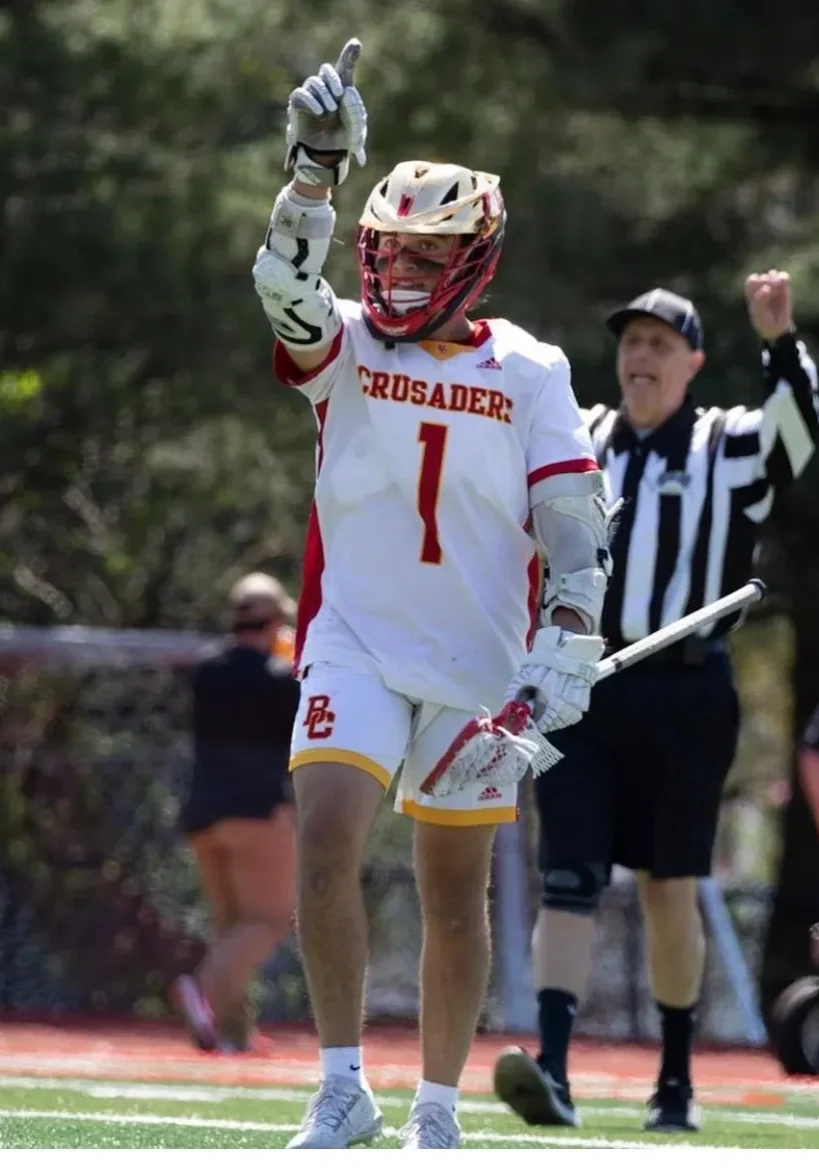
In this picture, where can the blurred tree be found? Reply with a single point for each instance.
(134, 360)
(144, 450)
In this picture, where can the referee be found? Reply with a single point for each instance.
(642, 777)
(238, 816)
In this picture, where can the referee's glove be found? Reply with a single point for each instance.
(557, 676)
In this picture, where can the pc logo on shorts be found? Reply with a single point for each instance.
(319, 718)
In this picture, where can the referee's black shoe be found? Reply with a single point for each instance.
(672, 1108)
(531, 1091)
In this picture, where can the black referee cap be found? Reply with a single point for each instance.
(676, 311)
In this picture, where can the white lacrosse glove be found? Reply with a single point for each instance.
(327, 114)
(557, 676)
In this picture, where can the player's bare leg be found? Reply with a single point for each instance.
(452, 870)
(676, 959)
(335, 808)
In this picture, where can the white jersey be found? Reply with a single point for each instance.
(418, 555)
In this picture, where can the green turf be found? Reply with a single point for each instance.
(97, 1114)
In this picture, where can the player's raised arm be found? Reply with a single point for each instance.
(327, 123)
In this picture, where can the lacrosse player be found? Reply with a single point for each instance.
(641, 781)
(450, 451)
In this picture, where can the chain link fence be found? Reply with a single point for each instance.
(99, 906)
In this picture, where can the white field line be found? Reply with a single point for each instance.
(123, 1091)
(231, 1124)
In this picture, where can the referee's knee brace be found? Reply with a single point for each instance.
(576, 888)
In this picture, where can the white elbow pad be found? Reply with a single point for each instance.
(583, 591)
(572, 526)
(298, 302)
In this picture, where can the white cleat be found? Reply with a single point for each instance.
(342, 1114)
(430, 1125)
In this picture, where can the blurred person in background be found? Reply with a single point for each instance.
(794, 1021)
(809, 775)
(808, 762)
(238, 815)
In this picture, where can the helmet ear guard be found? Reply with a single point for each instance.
(430, 199)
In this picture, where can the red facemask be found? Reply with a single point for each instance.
(462, 276)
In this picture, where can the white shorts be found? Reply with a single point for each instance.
(347, 715)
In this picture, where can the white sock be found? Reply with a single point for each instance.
(343, 1061)
(446, 1096)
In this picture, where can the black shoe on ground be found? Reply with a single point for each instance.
(672, 1108)
(532, 1092)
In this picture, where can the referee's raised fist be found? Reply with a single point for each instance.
(768, 295)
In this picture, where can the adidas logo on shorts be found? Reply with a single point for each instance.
(490, 364)
(490, 793)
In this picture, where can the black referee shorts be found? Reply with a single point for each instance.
(642, 776)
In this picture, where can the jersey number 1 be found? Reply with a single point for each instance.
(432, 437)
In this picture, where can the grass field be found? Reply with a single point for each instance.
(40, 1112)
(79, 1096)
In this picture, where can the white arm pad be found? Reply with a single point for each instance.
(571, 525)
(299, 304)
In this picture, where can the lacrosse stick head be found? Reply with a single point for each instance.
(496, 751)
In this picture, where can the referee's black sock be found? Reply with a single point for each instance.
(678, 1039)
(557, 1010)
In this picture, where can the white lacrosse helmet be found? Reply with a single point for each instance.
(428, 199)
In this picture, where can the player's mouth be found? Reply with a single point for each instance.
(404, 297)
(411, 291)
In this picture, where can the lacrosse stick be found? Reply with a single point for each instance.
(500, 750)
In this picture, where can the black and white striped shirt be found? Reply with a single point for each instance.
(695, 491)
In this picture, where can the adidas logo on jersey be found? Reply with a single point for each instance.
(490, 364)
(490, 793)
